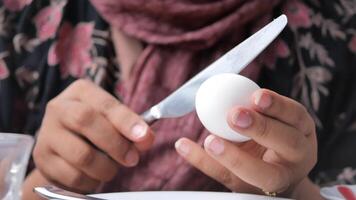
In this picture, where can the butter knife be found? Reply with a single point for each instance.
(182, 101)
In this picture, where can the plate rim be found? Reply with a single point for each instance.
(196, 192)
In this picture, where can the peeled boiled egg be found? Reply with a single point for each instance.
(216, 96)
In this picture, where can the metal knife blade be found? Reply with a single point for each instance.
(182, 101)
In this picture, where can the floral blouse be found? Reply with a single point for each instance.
(47, 44)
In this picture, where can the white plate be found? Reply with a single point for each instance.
(181, 196)
(333, 193)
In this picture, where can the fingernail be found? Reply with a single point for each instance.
(131, 157)
(263, 100)
(182, 147)
(242, 119)
(138, 131)
(214, 144)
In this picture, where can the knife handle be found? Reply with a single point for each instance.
(148, 117)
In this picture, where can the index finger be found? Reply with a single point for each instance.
(123, 119)
(285, 140)
(283, 109)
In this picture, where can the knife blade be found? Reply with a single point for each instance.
(182, 100)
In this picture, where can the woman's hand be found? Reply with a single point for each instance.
(85, 134)
(281, 153)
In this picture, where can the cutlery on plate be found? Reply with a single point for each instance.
(53, 192)
(182, 101)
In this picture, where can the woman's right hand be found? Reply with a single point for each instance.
(85, 135)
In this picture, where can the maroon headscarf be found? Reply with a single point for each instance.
(181, 37)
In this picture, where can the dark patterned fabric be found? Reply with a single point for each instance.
(47, 44)
(317, 67)
(44, 46)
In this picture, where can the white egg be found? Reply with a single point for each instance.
(216, 96)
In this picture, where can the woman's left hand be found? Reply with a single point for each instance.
(281, 153)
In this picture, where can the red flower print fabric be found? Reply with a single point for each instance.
(278, 49)
(72, 50)
(16, 5)
(298, 14)
(4, 72)
(48, 20)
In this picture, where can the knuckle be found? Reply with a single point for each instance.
(52, 105)
(126, 119)
(301, 117)
(83, 116)
(310, 127)
(37, 156)
(110, 173)
(297, 143)
(236, 163)
(40, 153)
(302, 109)
(199, 161)
(120, 142)
(84, 156)
(109, 102)
(120, 148)
(76, 179)
(278, 104)
(81, 84)
(37, 153)
(113, 146)
(263, 129)
(52, 179)
(202, 163)
(226, 178)
(278, 108)
(312, 123)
